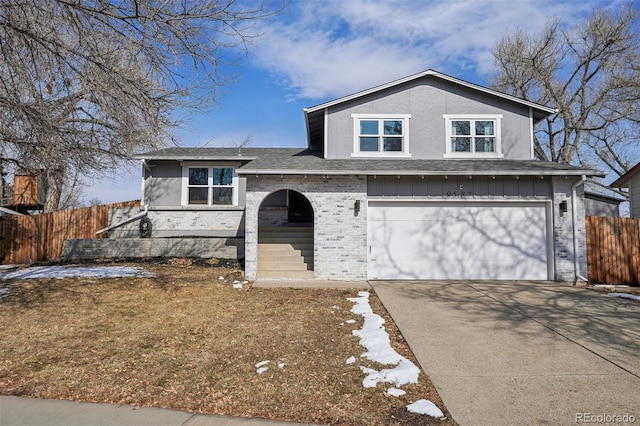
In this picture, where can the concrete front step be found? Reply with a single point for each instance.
(284, 258)
(303, 275)
(284, 266)
(285, 239)
(284, 246)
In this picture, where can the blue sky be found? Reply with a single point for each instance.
(315, 51)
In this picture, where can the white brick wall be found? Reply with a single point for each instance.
(563, 230)
(340, 237)
(180, 221)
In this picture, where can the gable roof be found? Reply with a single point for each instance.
(622, 180)
(300, 161)
(314, 116)
(543, 110)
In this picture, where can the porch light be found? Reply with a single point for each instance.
(356, 208)
(563, 207)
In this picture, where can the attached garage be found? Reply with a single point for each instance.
(456, 240)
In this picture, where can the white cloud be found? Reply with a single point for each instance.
(325, 50)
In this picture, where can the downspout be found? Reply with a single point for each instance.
(124, 222)
(576, 243)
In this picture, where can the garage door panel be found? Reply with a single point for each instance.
(457, 241)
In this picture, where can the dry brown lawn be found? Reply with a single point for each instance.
(187, 340)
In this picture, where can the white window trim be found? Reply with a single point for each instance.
(405, 153)
(448, 118)
(184, 197)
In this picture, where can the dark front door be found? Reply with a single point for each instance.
(300, 210)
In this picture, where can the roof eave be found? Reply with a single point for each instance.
(622, 180)
(196, 158)
(244, 171)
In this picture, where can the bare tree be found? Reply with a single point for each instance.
(86, 84)
(591, 73)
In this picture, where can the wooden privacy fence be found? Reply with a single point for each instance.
(27, 239)
(613, 250)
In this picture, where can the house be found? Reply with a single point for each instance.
(426, 177)
(597, 204)
(631, 181)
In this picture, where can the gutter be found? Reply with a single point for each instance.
(9, 211)
(124, 222)
(303, 172)
(574, 214)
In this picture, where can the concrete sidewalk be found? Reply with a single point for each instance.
(507, 353)
(16, 411)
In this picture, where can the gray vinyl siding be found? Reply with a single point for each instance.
(427, 100)
(634, 195)
(163, 184)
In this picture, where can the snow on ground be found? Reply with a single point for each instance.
(61, 272)
(626, 296)
(261, 366)
(423, 406)
(396, 392)
(376, 340)
(4, 292)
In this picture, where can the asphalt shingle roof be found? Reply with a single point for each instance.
(303, 161)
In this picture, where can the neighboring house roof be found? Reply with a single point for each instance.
(314, 116)
(300, 161)
(603, 197)
(621, 182)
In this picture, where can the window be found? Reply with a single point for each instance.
(469, 136)
(380, 135)
(208, 186)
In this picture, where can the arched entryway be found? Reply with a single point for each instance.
(285, 236)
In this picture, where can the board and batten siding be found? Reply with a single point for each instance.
(459, 187)
(427, 100)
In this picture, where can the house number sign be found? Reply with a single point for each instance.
(460, 193)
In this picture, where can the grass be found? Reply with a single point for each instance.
(188, 340)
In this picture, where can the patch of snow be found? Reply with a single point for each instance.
(281, 364)
(376, 340)
(609, 285)
(350, 321)
(626, 296)
(221, 278)
(61, 272)
(262, 363)
(335, 307)
(350, 360)
(4, 292)
(396, 392)
(237, 284)
(260, 367)
(423, 406)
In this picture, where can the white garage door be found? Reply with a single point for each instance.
(457, 240)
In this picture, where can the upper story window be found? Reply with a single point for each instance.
(209, 185)
(380, 135)
(473, 136)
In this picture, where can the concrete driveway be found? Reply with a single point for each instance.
(506, 353)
